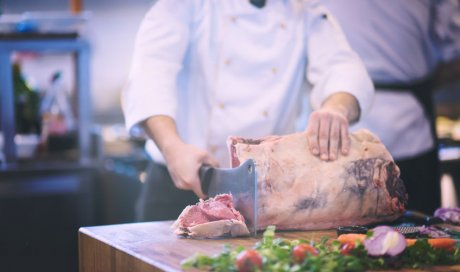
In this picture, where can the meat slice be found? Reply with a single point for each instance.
(214, 217)
(297, 190)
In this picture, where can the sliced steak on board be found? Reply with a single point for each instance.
(214, 217)
(297, 190)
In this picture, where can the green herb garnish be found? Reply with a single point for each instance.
(276, 254)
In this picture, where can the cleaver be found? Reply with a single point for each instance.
(241, 182)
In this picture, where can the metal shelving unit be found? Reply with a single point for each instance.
(46, 43)
(54, 194)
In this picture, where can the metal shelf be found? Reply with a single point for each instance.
(45, 44)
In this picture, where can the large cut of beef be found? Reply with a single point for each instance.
(297, 190)
(211, 218)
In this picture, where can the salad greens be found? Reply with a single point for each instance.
(276, 254)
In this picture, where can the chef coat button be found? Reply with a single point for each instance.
(142, 176)
(265, 113)
(233, 19)
(274, 70)
(324, 16)
(221, 106)
(282, 25)
(228, 62)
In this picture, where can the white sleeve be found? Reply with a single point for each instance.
(332, 65)
(160, 46)
(447, 29)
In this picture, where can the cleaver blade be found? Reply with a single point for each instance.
(240, 182)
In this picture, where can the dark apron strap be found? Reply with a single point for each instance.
(258, 3)
(422, 90)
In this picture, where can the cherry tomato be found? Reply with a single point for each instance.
(248, 260)
(346, 248)
(299, 252)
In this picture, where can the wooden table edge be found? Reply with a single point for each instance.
(85, 233)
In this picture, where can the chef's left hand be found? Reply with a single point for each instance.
(327, 129)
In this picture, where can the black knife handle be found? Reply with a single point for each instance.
(421, 218)
(205, 174)
(351, 229)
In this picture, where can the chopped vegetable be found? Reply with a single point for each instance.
(432, 232)
(276, 254)
(385, 241)
(451, 215)
(448, 244)
(382, 229)
(248, 260)
(351, 238)
(346, 248)
(443, 243)
(300, 251)
(424, 253)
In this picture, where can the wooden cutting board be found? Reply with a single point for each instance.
(153, 247)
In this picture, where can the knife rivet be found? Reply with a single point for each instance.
(249, 169)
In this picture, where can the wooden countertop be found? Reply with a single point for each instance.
(153, 246)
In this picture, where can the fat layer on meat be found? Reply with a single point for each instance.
(297, 190)
(213, 229)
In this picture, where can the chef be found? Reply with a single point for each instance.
(204, 70)
(402, 43)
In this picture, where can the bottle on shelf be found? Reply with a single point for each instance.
(58, 121)
(27, 115)
(27, 103)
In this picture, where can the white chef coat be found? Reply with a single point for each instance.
(400, 42)
(225, 67)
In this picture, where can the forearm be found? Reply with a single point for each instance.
(183, 169)
(162, 130)
(344, 103)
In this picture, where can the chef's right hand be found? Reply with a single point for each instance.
(183, 162)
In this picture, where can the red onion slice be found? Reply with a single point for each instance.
(385, 241)
(381, 229)
(451, 215)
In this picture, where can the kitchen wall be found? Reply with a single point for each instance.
(111, 31)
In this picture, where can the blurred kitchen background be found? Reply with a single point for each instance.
(65, 158)
(72, 163)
